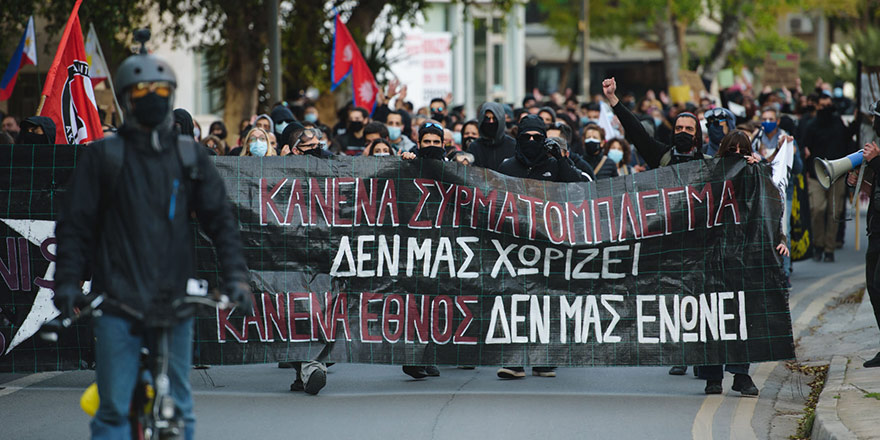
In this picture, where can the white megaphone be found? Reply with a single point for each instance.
(827, 171)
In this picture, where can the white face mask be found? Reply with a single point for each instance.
(197, 133)
(381, 154)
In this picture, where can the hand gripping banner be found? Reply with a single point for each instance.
(378, 260)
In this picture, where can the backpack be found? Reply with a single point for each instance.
(113, 156)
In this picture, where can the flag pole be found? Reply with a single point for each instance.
(109, 77)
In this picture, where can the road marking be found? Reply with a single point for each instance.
(703, 421)
(741, 426)
(26, 381)
(817, 305)
(702, 428)
(793, 301)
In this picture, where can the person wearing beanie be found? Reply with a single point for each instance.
(535, 158)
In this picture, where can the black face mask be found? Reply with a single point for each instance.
(27, 138)
(436, 153)
(591, 146)
(826, 112)
(355, 126)
(467, 141)
(531, 152)
(684, 142)
(150, 110)
(316, 152)
(437, 116)
(488, 129)
(220, 134)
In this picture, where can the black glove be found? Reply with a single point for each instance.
(239, 292)
(554, 148)
(65, 299)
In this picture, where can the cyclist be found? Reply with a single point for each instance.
(127, 219)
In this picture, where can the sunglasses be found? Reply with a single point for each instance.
(141, 89)
(532, 137)
(436, 109)
(432, 124)
(715, 113)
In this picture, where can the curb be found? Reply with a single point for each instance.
(827, 425)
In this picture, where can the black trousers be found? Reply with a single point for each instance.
(872, 273)
(715, 372)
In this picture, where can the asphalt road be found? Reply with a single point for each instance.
(380, 402)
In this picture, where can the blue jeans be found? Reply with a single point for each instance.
(117, 352)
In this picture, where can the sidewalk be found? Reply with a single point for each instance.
(849, 406)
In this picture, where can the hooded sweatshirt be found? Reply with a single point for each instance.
(185, 121)
(36, 121)
(490, 152)
(714, 144)
(269, 118)
(281, 116)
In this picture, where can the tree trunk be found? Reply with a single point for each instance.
(567, 68)
(666, 36)
(244, 49)
(362, 18)
(725, 43)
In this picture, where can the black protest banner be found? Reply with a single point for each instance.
(379, 260)
(800, 220)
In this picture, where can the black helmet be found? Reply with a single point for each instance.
(139, 68)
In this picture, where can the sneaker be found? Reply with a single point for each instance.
(817, 255)
(713, 387)
(511, 372)
(829, 257)
(743, 383)
(678, 370)
(314, 377)
(873, 362)
(544, 371)
(414, 371)
(432, 371)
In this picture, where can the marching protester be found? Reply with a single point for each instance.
(594, 144)
(686, 142)
(264, 122)
(719, 122)
(256, 143)
(872, 255)
(11, 125)
(378, 148)
(352, 142)
(218, 128)
(143, 256)
(825, 137)
(617, 150)
(397, 123)
(470, 132)
(36, 130)
(738, 143)
(215, 146)
(493, 146)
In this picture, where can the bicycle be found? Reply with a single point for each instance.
(153, 413)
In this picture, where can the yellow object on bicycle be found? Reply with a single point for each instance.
(89, 400)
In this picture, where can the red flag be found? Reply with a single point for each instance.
(68, 96)
(344, 51)
(364, 83)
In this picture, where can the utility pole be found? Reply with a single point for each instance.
(274, 53)
(585, 51)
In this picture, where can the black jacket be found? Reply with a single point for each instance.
(489, 153)
(133, 229)
(826, 137)
(650, 148)
(609, 169)
(552, 169)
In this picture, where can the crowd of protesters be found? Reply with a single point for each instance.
(559, 138)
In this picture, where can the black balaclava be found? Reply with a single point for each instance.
(531, 152)
(151, 109)
(184, 120)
